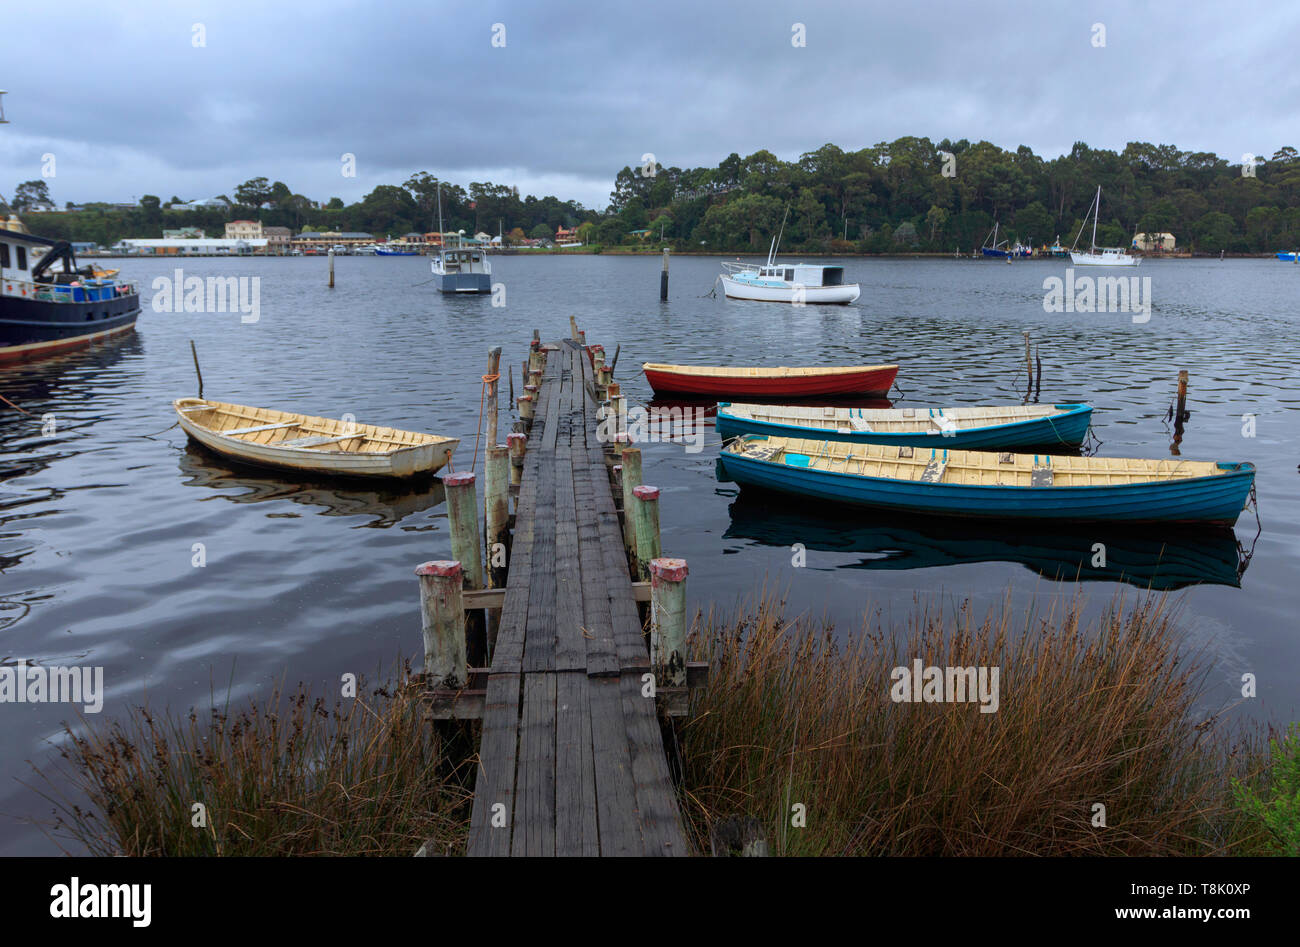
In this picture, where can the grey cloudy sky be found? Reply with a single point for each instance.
(128, 105)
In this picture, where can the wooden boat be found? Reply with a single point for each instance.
(309, 444)
(1002, 426)
(986, 484)
(786, 382)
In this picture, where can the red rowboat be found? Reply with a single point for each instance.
(788, 382)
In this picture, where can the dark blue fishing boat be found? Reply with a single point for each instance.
(48, 304)
(966, 428)
(988, 484)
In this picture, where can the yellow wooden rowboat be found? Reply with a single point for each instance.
(309, 444)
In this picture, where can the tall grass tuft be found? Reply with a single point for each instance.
(796, 718)
(289, 775)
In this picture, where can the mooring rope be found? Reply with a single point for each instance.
(482, 393)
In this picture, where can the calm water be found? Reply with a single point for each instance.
(309, 581)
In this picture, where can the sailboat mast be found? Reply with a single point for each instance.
(1096, 212)
(440, 243)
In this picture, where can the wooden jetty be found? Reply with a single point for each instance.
(572, 756)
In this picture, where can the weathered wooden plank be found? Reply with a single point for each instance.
(620, 831)
(575, 769)
(495, 782)
(657, 807)
(534, 833)
(602, 657)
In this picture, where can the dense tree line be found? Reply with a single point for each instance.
(914, 195)
(387, 210)
(900, 196)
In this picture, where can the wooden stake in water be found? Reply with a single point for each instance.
(668, 621)
(442, 611)
(331, 267)
(197, 371)
(663, 278)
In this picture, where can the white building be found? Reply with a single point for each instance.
(179, 246)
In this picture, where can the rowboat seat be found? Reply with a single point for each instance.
(858, 423)
(318, 440)
(258, 427)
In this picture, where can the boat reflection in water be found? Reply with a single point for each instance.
(1174, 559)
(388, 503)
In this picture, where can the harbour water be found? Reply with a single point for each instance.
(104, 505)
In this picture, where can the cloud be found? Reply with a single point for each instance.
(579, 90)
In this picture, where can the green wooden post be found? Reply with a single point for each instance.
(645, 511)
(467, 547)
(668, 621)
(631, 462)
(442, 609)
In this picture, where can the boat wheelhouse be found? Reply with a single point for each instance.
(462, 270)
(48, 304)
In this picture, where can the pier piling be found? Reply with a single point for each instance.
(443, 613)
(462, 512)
(631, 462)
(517, 445)
(663, 278)
(645, 511)
(668, 621)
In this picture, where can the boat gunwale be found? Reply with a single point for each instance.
(1077, 409)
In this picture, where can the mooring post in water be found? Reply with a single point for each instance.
(331, 267)
(573, 328)
(525, 402)
(1180, 412)
(617, 474)
(517, 445)
(197, 371)
(462, 512)
(621, 443)
(668, 621)
(631, 461)
(614, 364)
(645, 511)
(582, 337)
(663, 278)
(510, 375)
(1029, 366)
(442, 611)
(492, 378)
(1038, 369)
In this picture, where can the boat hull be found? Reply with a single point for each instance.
(464, 283)
(1287, 257)
(34, 328)
(818, 295)
(871, 380)
(1216, 499)
(1099, 259)
(1067, 429)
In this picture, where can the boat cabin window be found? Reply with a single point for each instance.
(4, 255)
(789, 275)
(22, 257)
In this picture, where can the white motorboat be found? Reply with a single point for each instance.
(797, 283)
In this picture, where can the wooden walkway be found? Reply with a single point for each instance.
(572, 759)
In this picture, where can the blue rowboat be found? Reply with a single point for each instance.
(987, 484)
(1287, 257)
(974, 428)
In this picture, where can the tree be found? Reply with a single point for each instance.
(29, 193)
(1034, 223)
(516, 236)
(541, 232)
(254, 192)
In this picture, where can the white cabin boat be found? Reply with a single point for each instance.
(1099, 256)
(797, 283)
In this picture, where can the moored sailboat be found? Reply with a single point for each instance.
(1099, 256)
